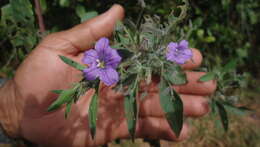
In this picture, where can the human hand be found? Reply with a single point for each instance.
(43, 71)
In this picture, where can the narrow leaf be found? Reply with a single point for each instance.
(64, 97)
(131, 113)
(172, 106)
(128, 79)
(241, 110)
(89, 15)
(72, 63)
(229, 66)
(213, 107)
(175, 75)
(223, 115)
(92, 115)
(57, 91)
(207, 77)
(68, 109)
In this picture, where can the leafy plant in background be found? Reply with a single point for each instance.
(220, 27)
(227, 79)
(17, 31)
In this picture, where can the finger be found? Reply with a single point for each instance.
(84, 35)
(153, 128)
(193, 106)
(195, 61)
(195, 87)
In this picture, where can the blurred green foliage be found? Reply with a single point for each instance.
(224, 30)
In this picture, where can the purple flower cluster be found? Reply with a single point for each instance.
(179, 52)
(102, 61)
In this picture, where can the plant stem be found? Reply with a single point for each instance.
(39, 16)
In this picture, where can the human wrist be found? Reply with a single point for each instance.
(10, 109)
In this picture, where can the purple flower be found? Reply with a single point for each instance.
(102, 61)
(178, 52)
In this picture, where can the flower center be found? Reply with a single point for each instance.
(177, 49)
(101, 64)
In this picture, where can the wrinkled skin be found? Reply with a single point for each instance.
(43, 71)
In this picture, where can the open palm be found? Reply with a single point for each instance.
(43, 71)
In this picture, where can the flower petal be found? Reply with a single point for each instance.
(187, 52)
(172, 46)
(90, 57)
(183, 44)
(91, 73)
(109, 76)
(102, 43)
(101, 47)
(179, 53)
(180, 60)
(170, 55)
(184, 56)
(113, 58)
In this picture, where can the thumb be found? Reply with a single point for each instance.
(84, 35)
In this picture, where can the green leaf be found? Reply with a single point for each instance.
(175, 75)
(128, 79)
(213, 106)
(131, 113)
(237, 110)
(43, 6)
(23, 11)
(6, 13)
(19, 24)
(207, 77)
(89, 15)
(200, 33)
(80, 10)
(223, 115)
(64, 97)
(72, 63)
(210, 39)
(92, 115)
(68, 109)
(64, 3)
(172, 106)
(57, 91)
(148, 75)
(124, 53)
(83, 15)
(243, 108)
(229, 66)
(123, 39)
